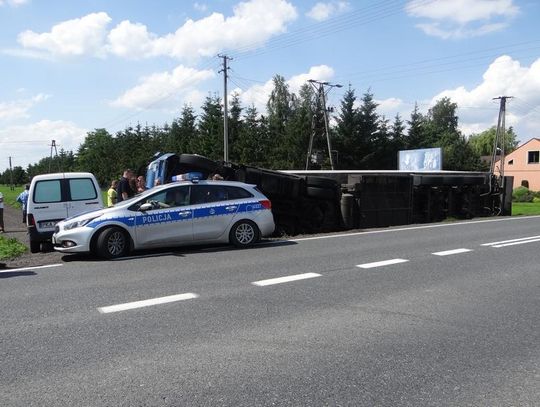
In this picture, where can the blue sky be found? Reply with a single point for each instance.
(68, 67)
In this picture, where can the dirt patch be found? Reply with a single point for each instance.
(14, 227)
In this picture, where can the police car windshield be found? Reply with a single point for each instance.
(136, 197)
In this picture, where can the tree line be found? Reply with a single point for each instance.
(278, 138)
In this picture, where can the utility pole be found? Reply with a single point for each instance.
(53, 146)
(322, 89)
(225, 108)
(11, 186)
(500, 137)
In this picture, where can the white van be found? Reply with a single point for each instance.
(54, 197)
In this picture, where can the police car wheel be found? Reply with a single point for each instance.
(244, 234)
(112, 243)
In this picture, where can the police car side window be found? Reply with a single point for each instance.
(237, 193)
(202, 194)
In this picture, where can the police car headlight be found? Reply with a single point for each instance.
(78, 223)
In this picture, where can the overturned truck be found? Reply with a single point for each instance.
(324, 201)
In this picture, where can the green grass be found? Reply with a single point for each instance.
(11, 196)
(525, 208)
(11, 248)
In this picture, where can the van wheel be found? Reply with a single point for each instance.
(244, 233)
(112, 243)
(35, 247)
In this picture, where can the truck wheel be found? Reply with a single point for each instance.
(35, 247)
(112, 243)
(244, 233)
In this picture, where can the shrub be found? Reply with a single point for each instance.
(522, 194)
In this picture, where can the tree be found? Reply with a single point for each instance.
(209, 141)
(234, 126)
(482, 143)
(299, 128)
(347, 131)
(183, 132)
(441, 130)
(368, 124)
(279, 112)
(98, 154)
(415, 135)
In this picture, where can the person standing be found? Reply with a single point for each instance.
(141, 184)
(111, 193)
(1, 212)
(23, 200)
(124, 190)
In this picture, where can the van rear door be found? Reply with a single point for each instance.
(49, 205)
(83, 196)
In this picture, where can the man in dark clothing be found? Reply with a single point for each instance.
(124, 190)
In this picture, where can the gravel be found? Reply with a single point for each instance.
(15, 228)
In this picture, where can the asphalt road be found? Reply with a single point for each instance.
(439, 315)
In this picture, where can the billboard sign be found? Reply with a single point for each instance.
(426, 159)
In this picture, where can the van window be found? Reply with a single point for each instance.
(81, 189)
(48, 191)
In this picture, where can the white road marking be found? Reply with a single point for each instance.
(147, 303)
(390, 230)
(31, 268)
(286, 279)
(381, 263)
(515, 243)
(524, 239)
(450, 252)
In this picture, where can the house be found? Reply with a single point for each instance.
(524, 165)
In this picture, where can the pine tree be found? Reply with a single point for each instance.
(209, 141)
(347, 131)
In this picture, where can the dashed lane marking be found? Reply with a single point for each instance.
(147, 303)
(451, 252)
(286, 279)
(381, 263)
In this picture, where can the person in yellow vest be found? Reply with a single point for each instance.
(112, 194)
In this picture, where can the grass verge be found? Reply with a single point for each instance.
(11, 248)
(525, 208)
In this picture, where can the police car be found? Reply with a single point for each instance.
(180, 213)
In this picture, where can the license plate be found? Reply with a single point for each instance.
(47, 225)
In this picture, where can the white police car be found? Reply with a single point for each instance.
(180, 213)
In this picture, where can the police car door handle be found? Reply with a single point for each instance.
(231, 208)
(185, 213)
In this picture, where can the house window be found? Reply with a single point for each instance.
(511, 162)
(533, 157)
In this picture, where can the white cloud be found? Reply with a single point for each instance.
(13, 3)
(80, 36)
(253, 22)
(18, 109)
(164, 89)
(388, 107)
(504, 77)
(462, 18)
(258, 95)
(324, 11)
(27, 144)
(130, 40)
